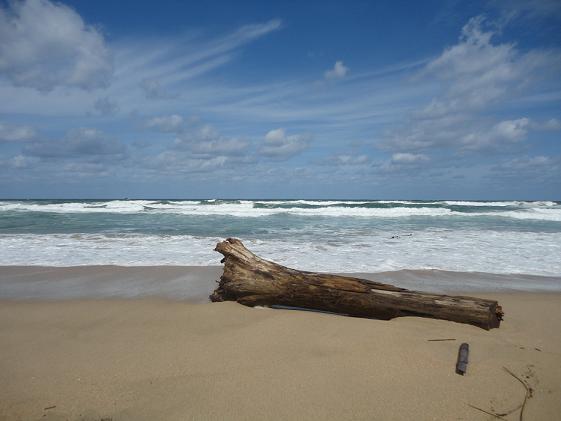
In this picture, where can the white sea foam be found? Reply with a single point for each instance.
(114, 206)
(499, 204)
(535, 213)
(546, 211)
(488, 251)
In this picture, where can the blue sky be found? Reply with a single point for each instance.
(396, 99)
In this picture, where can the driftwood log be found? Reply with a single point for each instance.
(253, 281)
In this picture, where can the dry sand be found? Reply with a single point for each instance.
(155, 359)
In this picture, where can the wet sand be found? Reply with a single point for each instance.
(195, 283)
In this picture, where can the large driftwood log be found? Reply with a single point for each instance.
(251, 280)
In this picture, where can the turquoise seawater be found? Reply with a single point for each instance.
(326, 235)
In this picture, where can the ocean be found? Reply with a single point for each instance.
(499, 237)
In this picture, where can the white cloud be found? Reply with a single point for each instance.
(157, 68)
(551, 124)
(476, 70)
(177, 163)
(78, 143)
(211, 143)
(530, 8)
(10, 133)
(507, 131)
(408, 158)
(160, 66)
(339, 71)
(280, 146)
(256, 30)
(539, 168)
(207, 142)
(350, 160)
(512, 130)
(44, 45)
(220, 147)
(275, 136)
(535, 161)
(169, 123)
(475, 75)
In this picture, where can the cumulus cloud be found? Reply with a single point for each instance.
(279, 145)
(404, 163)
(507, 131)
(476, 70)
(408, 158)
(168, 123)
(210, 142)
(512, 130)
(10, 133)
(44, 45)
(199, 146)
(180, 163)
(184, 161)
(207, 141)
(475, 75)
(338, 71)
(78, 143)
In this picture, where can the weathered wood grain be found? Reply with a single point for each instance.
(253, 281)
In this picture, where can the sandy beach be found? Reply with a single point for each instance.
(194, 197)
(156, 358)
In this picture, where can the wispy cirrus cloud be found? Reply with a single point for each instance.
(181, 60)
(139, 74)
(529, 8)
(482, 96)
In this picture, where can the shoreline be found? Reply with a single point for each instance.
(195, 283)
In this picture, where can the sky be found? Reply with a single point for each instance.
(280, 99)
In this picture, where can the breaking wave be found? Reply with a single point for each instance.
(542, 210)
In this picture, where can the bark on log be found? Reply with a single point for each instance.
(252, 281)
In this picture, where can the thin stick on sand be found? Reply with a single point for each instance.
(498, 416)
(528, 395)
(441, 340)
